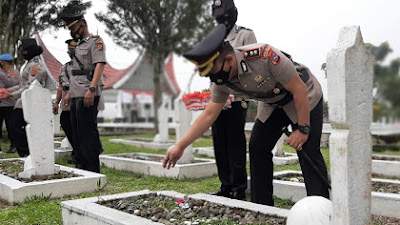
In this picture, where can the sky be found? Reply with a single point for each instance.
(306, 29)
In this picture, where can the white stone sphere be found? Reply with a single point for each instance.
(311, 210)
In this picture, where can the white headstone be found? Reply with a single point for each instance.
(163, 114)
(278, 148)
(350, 77)
(312, 210)
(183, 120)
(65, 144)
(56, 123)
(36, 102)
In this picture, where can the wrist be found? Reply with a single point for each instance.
(92, 89)
(305, 128)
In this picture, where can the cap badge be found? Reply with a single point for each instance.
(217, 3)
(276, 91)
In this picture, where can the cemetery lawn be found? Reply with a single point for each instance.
(41, 210)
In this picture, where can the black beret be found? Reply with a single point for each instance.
(207, 51)
(27, 42)
(220, 7)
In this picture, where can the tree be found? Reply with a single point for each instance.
(158, 27)
(21, 18)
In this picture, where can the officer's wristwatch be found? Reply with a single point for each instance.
(305, 129)
(92, 89)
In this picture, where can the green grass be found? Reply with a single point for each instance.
(44, 211)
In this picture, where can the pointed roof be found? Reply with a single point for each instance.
(141, 76)
(113, 76)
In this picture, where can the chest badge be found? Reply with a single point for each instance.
(258, 78)
(244, 66)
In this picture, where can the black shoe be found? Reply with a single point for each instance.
(222, 192)
(239, 195)
(11, 150)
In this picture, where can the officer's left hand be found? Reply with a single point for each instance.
(89, 98)
(297, 139)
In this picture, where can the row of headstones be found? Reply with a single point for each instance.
(350, 75)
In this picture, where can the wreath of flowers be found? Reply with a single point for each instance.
(198, 100)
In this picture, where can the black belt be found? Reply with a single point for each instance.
(65, 88)
(81, 72)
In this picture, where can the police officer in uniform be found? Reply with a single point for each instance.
(288, 93)
(34, 70)
(9, 77)
(63, 88)
(84, 92)
(229, 138)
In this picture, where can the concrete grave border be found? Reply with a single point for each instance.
(204, 168)
(14, 191)
(383, 204)
(88, 212)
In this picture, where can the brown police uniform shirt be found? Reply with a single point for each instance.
(9, 79)
(63, 79)
(34, 70)
(89, 51)
(260, 68)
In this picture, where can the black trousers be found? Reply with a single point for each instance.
(85, 134)
(18, 134)
(5, 115)
(65, 121)
(263, 139)
(230, 148)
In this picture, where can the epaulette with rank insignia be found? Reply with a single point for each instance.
(252, 53)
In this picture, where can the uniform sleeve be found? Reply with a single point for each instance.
(219, 93)
(281, 67)
(250, 38)
(98, 51)
(60, 75)
(35, 71)
(7, 82)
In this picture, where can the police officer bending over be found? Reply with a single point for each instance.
(84, 92)
(288, 94)
(229, 138)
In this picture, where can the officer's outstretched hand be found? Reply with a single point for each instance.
(297, 139)
(174, 153)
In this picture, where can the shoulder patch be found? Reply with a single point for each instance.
(14, 74)
(267, 52)
(252, 53)
(34, 71)
(99, 45)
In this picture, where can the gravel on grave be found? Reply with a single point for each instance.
(11, 169)
(171, 211)
(376, 186)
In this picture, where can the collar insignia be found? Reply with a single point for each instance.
(244, 66)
